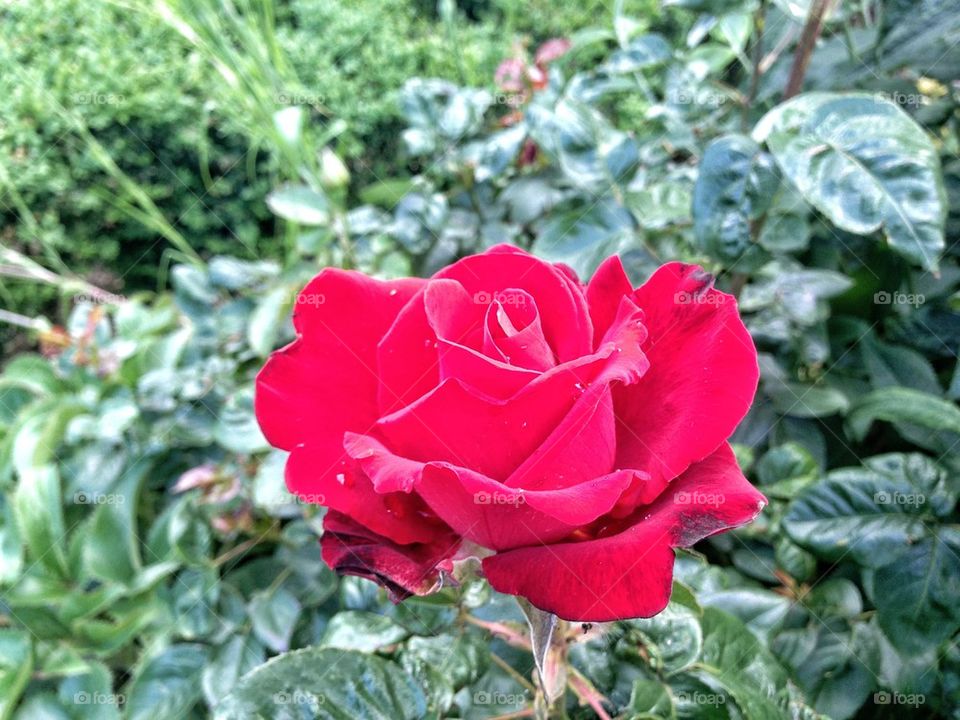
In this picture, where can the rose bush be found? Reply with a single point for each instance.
(570, 435)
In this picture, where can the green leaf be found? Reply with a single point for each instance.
(871, 514)
(325, 684)
(754, 678)
(735, 185)
(39, 512)
(168, 685)
(585, 238)
(834, 597)
(673, 637)
(16, 666)
(865, 164)
(300, 204)
(359, 630)
(762, 611)
(650, 699)
(11, 546)
(237, 429)
(274, 615)
(640, 53)
(807, 401)
(900, 404)
(91, 693)
(267, 319)
(916, 595)
(231, 661)
(30, 372)
(111, 550)
(794, 560)
(835, 667)
(445, 663)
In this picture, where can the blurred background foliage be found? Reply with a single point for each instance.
(172, 172)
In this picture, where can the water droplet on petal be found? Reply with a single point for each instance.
(395, 505)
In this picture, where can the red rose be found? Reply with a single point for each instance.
(577, 433)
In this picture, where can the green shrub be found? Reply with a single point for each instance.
(94, 66)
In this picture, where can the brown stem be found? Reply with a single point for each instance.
(759, 21)
(808, 39)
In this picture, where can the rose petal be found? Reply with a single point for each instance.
(458, 424)
(582, 446)
(513, 332)
(400, 516)
(407, 358)
(702, 377)
(387, 472)
(499, 517)
(326, 381)
(563, 309)
(497, 379)
(629, 573)
(351, 549)
(608, 286)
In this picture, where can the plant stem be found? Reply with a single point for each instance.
(808, 39)
(759, 21)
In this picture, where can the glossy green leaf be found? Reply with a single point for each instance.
(39, 512)
(16, 666)
(274, 614)
(872, 514)
(228, 663)
(916, 595)
(300, 204)
(900, 404)
(734, 187)
(168, 685)
(366, 631)
(865, 164)
(325, 684)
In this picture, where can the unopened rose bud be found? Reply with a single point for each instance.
(333, 172)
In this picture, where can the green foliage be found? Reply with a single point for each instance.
(151, 561)
(94, 80)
